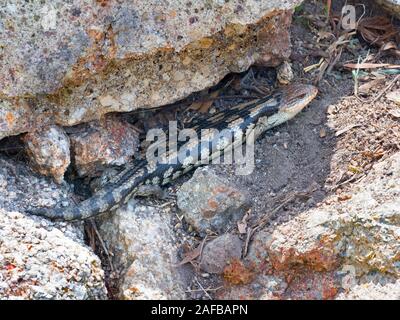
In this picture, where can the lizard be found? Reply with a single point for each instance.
(255, 116)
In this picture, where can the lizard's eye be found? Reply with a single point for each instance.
(296, 98)
(300, 96)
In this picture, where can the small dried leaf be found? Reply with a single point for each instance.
(190, 256)
(242, 225)
(348, 128)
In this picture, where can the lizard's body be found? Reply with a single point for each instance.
(259, 115)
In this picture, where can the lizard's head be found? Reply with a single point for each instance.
(294, 98)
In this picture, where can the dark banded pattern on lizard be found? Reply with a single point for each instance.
(259, 115)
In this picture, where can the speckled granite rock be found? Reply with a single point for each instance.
(21, 190)
(343, 249)
(362, 231)
(103, 143)
(48, 150)
(372, 291)
(37, 261)
(40, 259)
(142, 242)
(208, 201)
(71, 62)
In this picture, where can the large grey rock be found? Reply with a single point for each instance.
(144, 252)
(70, 62)
(210, 202)
(38, 261)
(103, 143)
(49, 152)
(218, 253)
(21, 190)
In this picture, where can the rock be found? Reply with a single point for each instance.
(394, 96)
(312, 286)
(41, 259)
(48, 150)
(210, 202)
(392, 5)
(68, 63)
(103, 143)
(362, 231)
(219, 252)
(307, 241)
(339, 250)
(285, 73)
(16, 117)
(372, 291)
(21, 190)
(38, 261)
(144, 251)
(264, 287)
(257, 255)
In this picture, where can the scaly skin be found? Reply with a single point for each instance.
(259, 115)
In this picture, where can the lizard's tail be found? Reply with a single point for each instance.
(100, 203)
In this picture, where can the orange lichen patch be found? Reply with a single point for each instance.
(96, 34)
(172, 14)
(344, 197)
(130, 273)
(212, 204)
(305, 285)
(329, 292)
(134, 290)
(211, 208)
(10, 118)
(233, 29)
(225, 189)
(320, 258)
(103, 3)
(316, 253)
(10, 267)
(237, 273)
